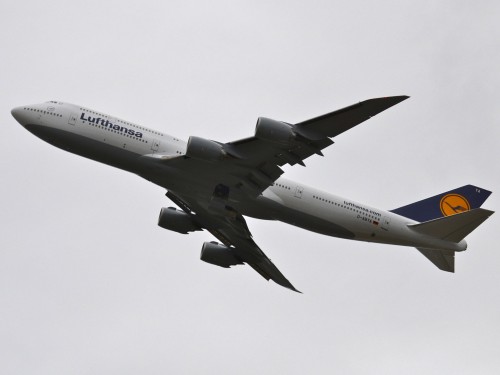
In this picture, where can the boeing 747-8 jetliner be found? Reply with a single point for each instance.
(216, 184)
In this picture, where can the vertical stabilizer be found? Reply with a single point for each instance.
(452, 202)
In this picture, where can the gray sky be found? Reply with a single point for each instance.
(90, 285)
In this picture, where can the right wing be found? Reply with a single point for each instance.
(229, 227)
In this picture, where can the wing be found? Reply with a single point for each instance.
(264, 156)
(230, 228)
(251, 165)
(220, 176)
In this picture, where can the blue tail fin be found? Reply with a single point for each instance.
(452, 202)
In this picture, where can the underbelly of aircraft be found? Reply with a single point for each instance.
(89, 148)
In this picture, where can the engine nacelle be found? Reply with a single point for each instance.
(204, 149)
(274, 131)
(220, 255)
(176, 220)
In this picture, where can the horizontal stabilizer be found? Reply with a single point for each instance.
(453, 228)
(442, 259)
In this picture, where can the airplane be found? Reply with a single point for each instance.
(216, 184)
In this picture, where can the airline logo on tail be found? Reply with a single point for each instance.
(452, 204)
(456, 201)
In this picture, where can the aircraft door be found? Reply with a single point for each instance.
(298, 192)
(385, 222)
(155, 145)
(72, 119)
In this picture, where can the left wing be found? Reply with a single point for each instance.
(230, 228)
(249, 166)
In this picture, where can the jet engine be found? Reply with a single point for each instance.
(176, 220)
(204, 149)
(274, 131)
(218, 254)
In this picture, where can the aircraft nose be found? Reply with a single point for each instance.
(19, 113)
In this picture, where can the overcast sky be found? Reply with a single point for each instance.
(89, 284)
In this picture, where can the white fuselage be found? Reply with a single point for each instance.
(122, 144)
